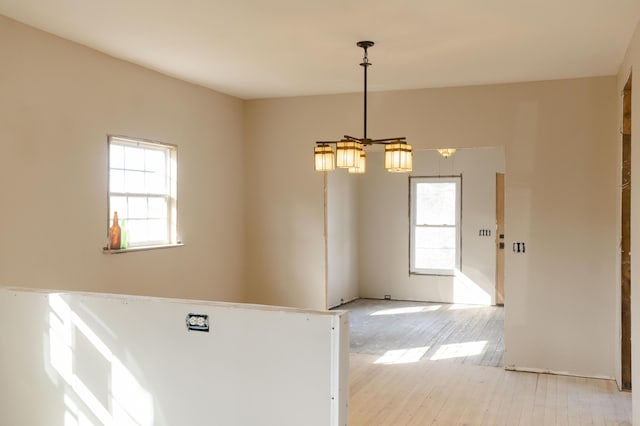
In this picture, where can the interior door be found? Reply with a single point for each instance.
(499, 238)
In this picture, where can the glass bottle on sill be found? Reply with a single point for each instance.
(124, 236)
(114, 234)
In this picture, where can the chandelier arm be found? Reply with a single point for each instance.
(384, 141)
(388, 140)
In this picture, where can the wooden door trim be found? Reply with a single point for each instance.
(499, 239)
(625, 242)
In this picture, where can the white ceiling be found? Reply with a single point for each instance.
(272, 48)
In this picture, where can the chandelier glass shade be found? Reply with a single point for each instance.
(324, 158)
(398, 157)
(362, 164)
(348, 154)
(350, 151)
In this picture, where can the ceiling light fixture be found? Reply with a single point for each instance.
(350, 153)
(447, 152)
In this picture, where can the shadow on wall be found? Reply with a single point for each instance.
(98, 388)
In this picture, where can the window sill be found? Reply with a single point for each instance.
(433, 273)
(140, 248)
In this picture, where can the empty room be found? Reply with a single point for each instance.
(284, 213)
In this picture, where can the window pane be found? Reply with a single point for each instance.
(133, 158)
(116, 181)
(137, 207)
(436, 203)
(143, 231)
(435, 247)
(157, 229)
(117, 204)
(155, 161)
(137, 231)
(134, 182)
(156, 183)
(157, 208)
(116, 156)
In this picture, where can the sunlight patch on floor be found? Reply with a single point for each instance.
(458, 307)
(402, 356)
(459, 350)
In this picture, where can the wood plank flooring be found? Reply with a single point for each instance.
(394, 380)
(468, 334)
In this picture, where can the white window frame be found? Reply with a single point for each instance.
(170, 193)
(414, 181)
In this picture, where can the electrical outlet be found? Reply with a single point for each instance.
(198, 322)
(387, 297)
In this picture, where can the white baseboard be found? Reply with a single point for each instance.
(556, 373)
(344, 302)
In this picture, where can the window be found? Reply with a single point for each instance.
(142, 189)
(435, 225)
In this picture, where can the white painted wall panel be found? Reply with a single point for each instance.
(122, 360)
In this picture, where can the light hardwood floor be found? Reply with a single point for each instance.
(405, 378)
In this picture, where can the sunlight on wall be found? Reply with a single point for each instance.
(407, 310)
(465, 290)
(74, 416)
(402, 356)
(459, 350)
(127, 402)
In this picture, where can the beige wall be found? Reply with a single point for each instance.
(384, 229)
(560, 200)
(342, 239)
(58, 102)
(632, 63)
(285, 197)
(561, 195)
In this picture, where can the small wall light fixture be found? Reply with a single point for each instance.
(447, 152)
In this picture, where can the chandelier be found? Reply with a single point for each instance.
(349, 151)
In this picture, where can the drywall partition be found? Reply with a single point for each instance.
(384, 228)
(80, 358)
